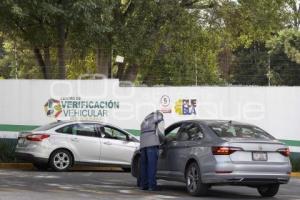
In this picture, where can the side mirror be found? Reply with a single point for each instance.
(128, 138)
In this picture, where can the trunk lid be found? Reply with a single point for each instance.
(257, 150)
(22, 142)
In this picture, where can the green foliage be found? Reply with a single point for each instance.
(168, 42)
(285, 57)
(288, 42)
(246, 22)
(17, 62)
(7, 150)
(295, 160)
(80, 65)
(250, 65)
(169, 46)
(50, 25)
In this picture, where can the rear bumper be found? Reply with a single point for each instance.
(249, 179)
(27, 157)
(245, 173)
(258, 181)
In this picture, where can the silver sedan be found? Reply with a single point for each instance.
(60, 145)
(205, 153)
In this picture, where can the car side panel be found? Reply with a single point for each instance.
(63, 141)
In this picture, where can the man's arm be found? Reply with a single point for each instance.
(161, 131)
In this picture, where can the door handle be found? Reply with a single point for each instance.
(75, 139)
(107, 143)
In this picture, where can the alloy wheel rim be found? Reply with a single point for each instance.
(192, 179)
(61, 160)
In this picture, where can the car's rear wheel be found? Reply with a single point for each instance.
(61, 160)
(41, 166)
(268, 190)
(194, 183)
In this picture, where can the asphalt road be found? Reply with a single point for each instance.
(31, 185)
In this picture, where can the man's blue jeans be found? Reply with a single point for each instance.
(148, 167)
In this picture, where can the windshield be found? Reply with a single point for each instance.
(49, 126)
(229, 130)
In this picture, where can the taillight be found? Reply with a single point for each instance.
(37, 137)
(225, 150)
(284, 151)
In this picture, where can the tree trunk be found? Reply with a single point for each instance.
(131, 73)
(61, 49)
(296, 14)
(225, 62)
(40, 61)
(103, 60)
(120, 73)
(298, 17)
(47, 60)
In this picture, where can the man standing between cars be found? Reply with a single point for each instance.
(152, 134)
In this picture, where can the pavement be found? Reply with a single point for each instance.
(29, 166)
(90, 185)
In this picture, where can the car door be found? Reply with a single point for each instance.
(84, 140)
(180, 149)
(117, 147)
(170, 136)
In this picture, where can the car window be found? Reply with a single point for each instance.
(113, 133)
(196, 132)
(171, 132)
(66, 129)
(230, 130)
(190, 131)
(85, 130)
(49, 126)
(81, 129)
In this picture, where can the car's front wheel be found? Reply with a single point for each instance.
(61, 160)
(135, 167)
(194, 183)
(268, 190)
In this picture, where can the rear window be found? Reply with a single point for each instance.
(229, 130)
(49, 126)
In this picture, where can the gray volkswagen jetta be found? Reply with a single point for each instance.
(205, 153)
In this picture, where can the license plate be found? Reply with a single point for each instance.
(259, 156)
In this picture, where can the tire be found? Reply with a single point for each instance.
(41, 166)
(268, 190)
(135, 167)
(61, 160)
(135, 170)
(126, 169)
(194, 184)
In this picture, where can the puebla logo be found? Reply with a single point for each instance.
(186, 106)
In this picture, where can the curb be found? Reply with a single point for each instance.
(295, 174)
(29, 166)
(24, 166)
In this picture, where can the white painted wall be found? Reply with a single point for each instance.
(275, 109)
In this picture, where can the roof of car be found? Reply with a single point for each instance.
(213, 121)
(80, 121)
